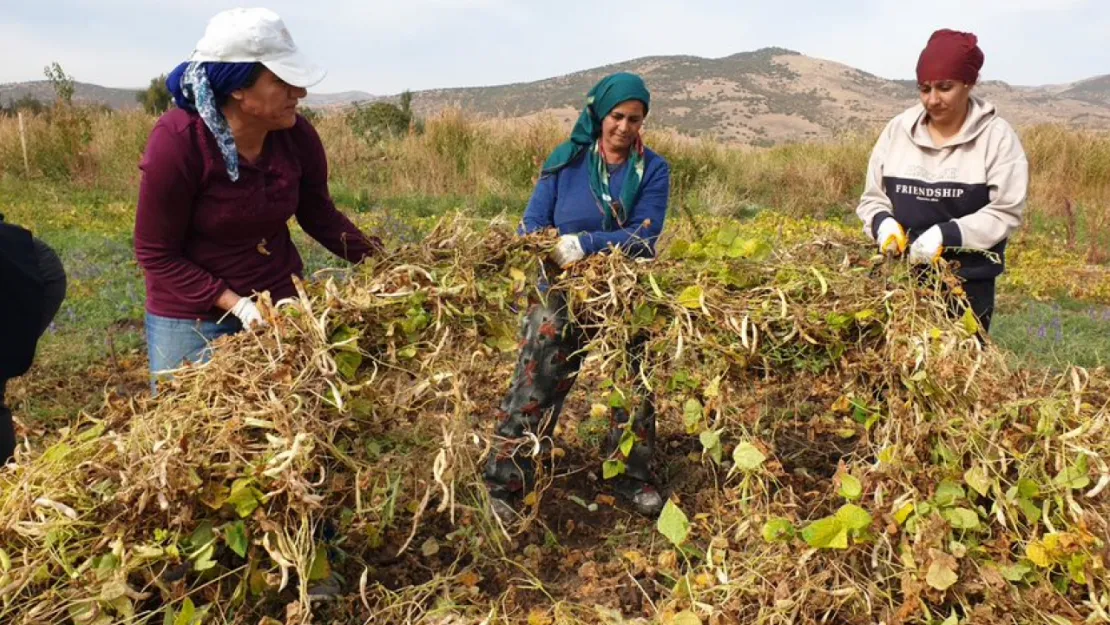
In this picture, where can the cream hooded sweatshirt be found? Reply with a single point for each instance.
(974, 187)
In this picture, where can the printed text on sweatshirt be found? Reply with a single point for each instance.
(973, 188)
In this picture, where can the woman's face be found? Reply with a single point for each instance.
(622, 125)
(945, 100)
(271, 101)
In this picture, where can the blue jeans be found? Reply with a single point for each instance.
(171, 342)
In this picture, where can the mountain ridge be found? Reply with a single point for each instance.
(761, 97)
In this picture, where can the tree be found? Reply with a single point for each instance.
(406, 103)
(28, 104)
(156, 98)
(61, 82)
(379, 121)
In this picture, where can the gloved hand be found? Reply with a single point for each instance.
(927, 248)
(891, 237)
(248, 313)
(568, 250)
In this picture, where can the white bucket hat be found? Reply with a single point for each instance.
(257, 36)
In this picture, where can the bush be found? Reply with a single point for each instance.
(156, 98)
(378, 121)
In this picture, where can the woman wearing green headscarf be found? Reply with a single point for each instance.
(601, 189)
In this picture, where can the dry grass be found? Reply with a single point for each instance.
(806, 386)
(458, 156)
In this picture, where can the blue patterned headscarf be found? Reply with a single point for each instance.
(202, 88)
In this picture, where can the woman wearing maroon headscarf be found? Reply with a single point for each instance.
(948, 177)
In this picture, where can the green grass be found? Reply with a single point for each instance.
(1054, 334)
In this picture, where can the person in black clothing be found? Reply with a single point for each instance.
(34, 284)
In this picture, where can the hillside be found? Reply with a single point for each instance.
(763, 97)
(768, 96)
(124, 99)
(118, 99)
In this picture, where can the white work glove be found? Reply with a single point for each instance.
(927, 248)
(248, 313)
(568, 250)
(891, 237)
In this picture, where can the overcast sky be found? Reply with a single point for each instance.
(384, 47)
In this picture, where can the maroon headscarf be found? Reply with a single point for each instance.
(950, 55)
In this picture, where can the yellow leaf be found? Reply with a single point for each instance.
(685, 617)
(531, 499)
(942, 572)
(1038, 555)
(903, 513)
(536, 617)
(691, 297)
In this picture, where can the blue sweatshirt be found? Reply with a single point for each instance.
(564, 200)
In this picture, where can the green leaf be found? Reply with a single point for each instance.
(202, 536)
(1028, 489)
(691, 297)
(344, 338)
(826, 533)
(673, 524)
(1015, 572)
(778, 530)
(747, 457)
(1077, 568)
(969, 322)
(749, 248)
(617, 400)
(106, 564)
(202, 560)
(321, 568)
(962, 518)
(977, 478)
(726, 235)
(628, 441)
(850, 487)
(235, 535)
(56, 452)
(347, 363)
(1032, 511)
(854, 517)
(692, 413)
(948, 493)
(244, 496)
(612, 468)
(644, 315)
(1075, 477)
(710, 439)
(188, 611)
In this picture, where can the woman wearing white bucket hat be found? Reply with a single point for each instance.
(222, 175)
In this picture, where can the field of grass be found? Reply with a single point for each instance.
(1054, 300)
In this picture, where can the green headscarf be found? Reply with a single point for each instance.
(600, 101)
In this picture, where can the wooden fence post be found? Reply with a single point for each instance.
(23, 143)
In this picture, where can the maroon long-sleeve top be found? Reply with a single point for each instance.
(198, 233)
